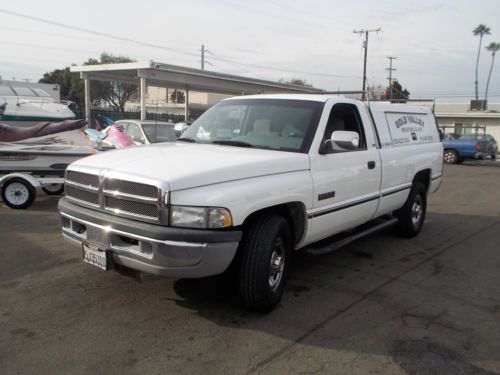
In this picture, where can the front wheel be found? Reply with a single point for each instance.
(18, 193)
(412, 215)
(264, 262)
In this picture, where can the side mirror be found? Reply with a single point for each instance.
(345, 140)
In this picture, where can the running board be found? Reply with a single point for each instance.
(334, 246)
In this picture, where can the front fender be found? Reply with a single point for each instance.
(246, 196)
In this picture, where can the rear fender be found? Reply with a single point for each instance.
(28, 178)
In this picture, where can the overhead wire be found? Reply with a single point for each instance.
(170, 49)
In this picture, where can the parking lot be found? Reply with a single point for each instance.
(385, 305)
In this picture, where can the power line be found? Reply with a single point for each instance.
(111, 36)
(177, 50)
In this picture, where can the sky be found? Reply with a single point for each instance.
(267, 39)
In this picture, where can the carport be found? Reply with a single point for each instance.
(178, 77)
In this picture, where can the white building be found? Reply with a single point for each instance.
(463, 119)
(159, 101)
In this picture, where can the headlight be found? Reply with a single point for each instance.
(200, 217)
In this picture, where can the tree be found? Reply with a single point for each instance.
(493, 48)
(178, 97)
(481, 30)
(70, 85)
(399, 93)
(296, 81)
(110, 94)
(376, 92)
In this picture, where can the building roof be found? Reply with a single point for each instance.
(179, 77)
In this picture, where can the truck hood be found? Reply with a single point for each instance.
(188, 165)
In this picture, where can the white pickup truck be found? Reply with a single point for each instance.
(251, 180)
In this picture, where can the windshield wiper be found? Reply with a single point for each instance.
(186, 139)
(233, 143)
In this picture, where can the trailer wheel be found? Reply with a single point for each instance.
(451, 157)
(18, 193)
(412, 215)
(264, 262)
(53, 189)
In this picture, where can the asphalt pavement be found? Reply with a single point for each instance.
(382, 305)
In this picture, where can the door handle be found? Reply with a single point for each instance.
(371, 165)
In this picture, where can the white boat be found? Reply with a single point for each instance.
(39, 159)
(31, 105)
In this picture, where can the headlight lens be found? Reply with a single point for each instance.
(200, 217)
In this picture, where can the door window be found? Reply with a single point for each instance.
(134, 132)
(343, 117)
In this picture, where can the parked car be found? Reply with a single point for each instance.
(181, 127)
(250, 181)
(148, 131)
(458, 148)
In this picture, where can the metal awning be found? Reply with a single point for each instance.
(151, 73)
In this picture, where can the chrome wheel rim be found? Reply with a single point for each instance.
(449, 157)
(277, 265)
(417, 210)
(17, 194)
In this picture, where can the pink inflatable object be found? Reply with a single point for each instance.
(117, 137)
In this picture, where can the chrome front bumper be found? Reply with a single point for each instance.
(155, 249)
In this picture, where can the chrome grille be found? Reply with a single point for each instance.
(119, 197)
(132, 188)
(131, 207)
(82, 195)
(83, 178)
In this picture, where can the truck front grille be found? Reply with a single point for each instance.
(83, 178)
(132, 188)
(118, 206)
(119, 197)
(91, 197)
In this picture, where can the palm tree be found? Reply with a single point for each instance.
(493, 48)
(481, 30)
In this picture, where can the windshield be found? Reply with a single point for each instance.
(159, 133)
(275, 124)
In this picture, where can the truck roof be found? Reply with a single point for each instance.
(377, 106)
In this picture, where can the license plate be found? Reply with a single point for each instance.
(95, 256)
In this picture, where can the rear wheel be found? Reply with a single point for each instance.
(18, 193)
(264, 262)
(451, 157)
(53, 189)
(412, 215)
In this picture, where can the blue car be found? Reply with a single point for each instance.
(458, 148)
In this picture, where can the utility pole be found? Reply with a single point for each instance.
(365, 46)
(203, 60)
(390, 70)
(202, 57)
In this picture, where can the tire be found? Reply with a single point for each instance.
(494, 156)
(18, 193)
(53, 189)
(450, 157)
(412, 215)
(265, 242)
